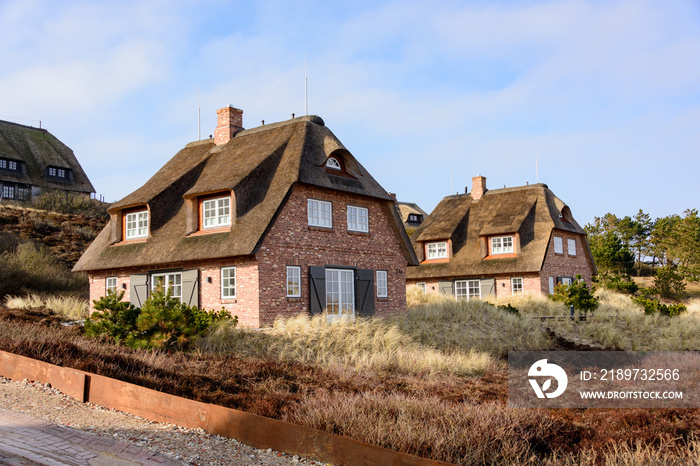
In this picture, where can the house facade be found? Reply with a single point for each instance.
(499, 242)
(33, 160)
(272, 221)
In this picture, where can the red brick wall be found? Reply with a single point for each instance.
(566, 265)
(531, 283)
(261, 280)
(292, 242)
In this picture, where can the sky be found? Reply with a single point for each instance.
(599, 99)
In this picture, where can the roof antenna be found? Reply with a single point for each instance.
(306, 88)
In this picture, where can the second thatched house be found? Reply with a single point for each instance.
(272, 221)
(500, 241)
(33, 160)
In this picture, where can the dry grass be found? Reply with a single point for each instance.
(362, 344)
(441, 322)
(69, 307)
(457, 433)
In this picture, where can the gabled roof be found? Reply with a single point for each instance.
(260, 166)
(532, 212)
(39, 149)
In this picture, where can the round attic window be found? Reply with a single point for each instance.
(333, 163)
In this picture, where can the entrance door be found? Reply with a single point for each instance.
(340, 294)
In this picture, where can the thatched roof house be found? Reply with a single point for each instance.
(32, 160)
(273, 203)
(498, 241)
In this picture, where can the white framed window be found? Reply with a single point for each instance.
(319, 213)
(437, 250)
(421, 287)
(23, 194)
(111, 285)
(571, 246)
(136, 224)
(566, 280)
(168, 282)
(467, 289)
(3, 163)
(228, 282)
(293, 281)
(216, 212)
(12, 165)
(502, 245)
(558, 245)
(358, 219)
(61, 173)
(516, 285)
(333, 164)
(382, 291)
(52, 171)
(8, 192)
(340, 293)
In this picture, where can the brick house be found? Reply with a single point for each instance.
(33, 160)
(271, 221)
(499, 242)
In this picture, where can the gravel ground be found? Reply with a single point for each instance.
(193, 446)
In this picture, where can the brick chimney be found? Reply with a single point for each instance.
(229, 122)
(478, 187)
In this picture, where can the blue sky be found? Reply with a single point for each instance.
(605, 95)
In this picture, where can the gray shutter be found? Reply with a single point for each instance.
(190, 287)
(138, 289)
(317, 286)
(488, 287)
(445, 288)
(365, 292)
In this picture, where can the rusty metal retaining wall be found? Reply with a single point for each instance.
(257, 431)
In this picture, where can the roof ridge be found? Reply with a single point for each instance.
(24, 126)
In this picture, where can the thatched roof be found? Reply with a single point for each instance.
(39, 149)
(532, 211)
(407, 208)
(260, 166)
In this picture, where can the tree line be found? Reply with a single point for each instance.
(667, 247)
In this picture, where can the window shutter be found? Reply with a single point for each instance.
(190, 287)
(138, 289)
(365, 292)
(488, 287)
(445, 288)
(317, 288)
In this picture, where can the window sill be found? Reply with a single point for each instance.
(559, 254)
(130, 241)
(436, 261)
(358, 233)
(211, 231)
(229, 301)
(501, 256)
(294, 299)
(382, 298)
(323, 229)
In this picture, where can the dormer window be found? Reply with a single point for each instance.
(415, 218)
(216, 212)
(437, 250)
(502, 245)
(56, 172)
(333, 163)
(11, 165)
(136, 225)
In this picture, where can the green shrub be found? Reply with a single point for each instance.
(163, 321)
(113, 318)
(509, 308)
(620, 283)
(577, 294)
(668, 282)
(654, 306)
